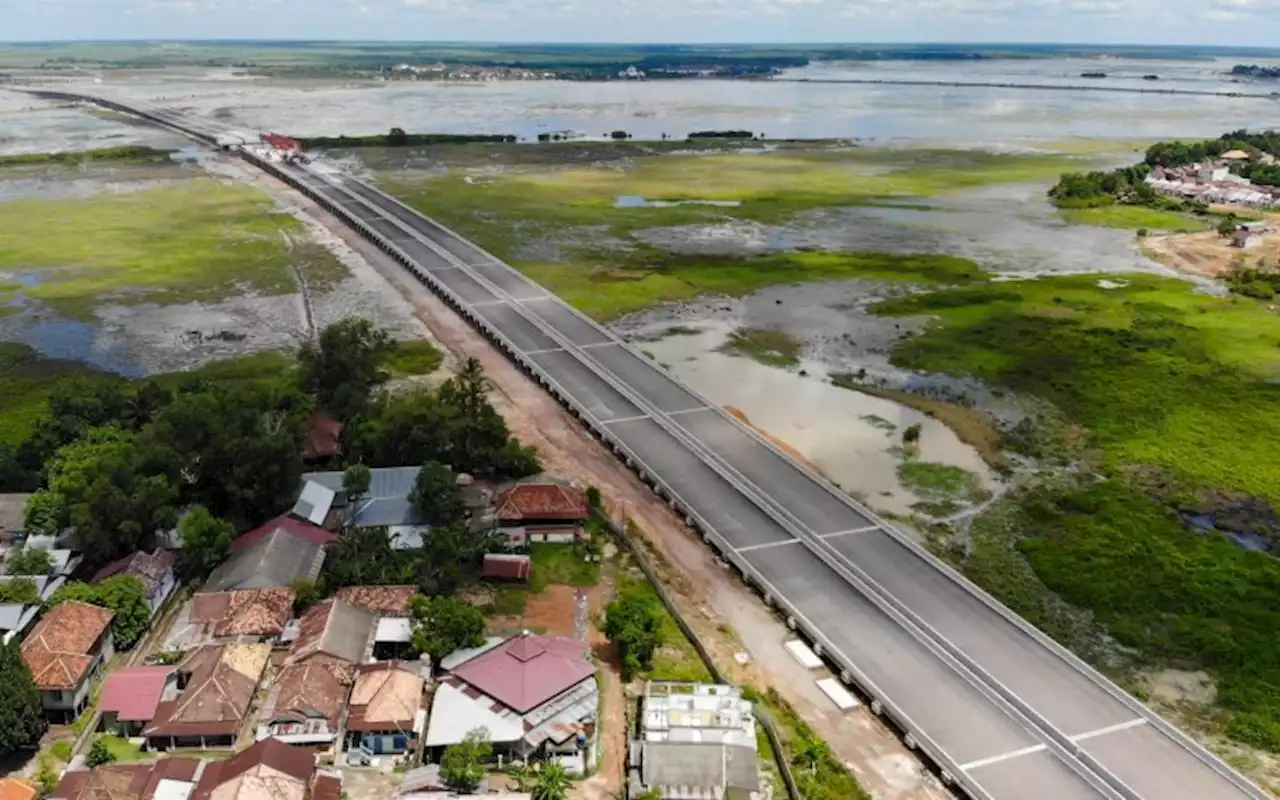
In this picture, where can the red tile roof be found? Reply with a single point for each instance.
(60, 649)
(289, 525)
(528, 670)
(542, 501)
(320, 685)
(324, 437)
(124, 781)
(220, 689)
(509, 566)
(385, 601)
(244, 612)
(386, 697)
(14, 789)
(134, 692)
(150, 568)
(291, 764)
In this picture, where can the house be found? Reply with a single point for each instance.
(1248, 235)
(167, 779)
(540, 512)
(16, 789)
(695, 740)
(392, 605)
(267, 770)
(506, 567)
(130, 696)
(385, 715)
(534, 694)
(155, 570)
(278, 553)
(336, 629)
(1235, 155)
(306, 702)
(216, 685)
(240, 614)
(324, 438)
(64, 652)
(385, 505)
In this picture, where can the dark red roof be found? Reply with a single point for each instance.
(507, 566)
(290, 525)
(124, 781)
(542, 501)
(324, 437)
(134, 692)
(150, 568)
(528, 670)
(296, 762)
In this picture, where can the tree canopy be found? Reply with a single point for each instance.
(343, 367)
(633, 624)
(206, 540)
(19, 590)
(462, 766)
(22, 721)
(123, 594)
(99, 753)
(552, 783)
(437, 496)
(444, 624)
(29, 561)
(43, 514)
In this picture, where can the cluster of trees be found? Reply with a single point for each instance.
(22, 721)
(633, 624)
(1095, 189)
(1255, 71)
(1256, 281)
(463, 766)
(397, 137)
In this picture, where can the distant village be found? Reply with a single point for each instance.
(1213, 182)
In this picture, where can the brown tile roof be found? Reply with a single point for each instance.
(385, 601)
(334, 628)
(244, 612)
(124, 781)
(318, 686)
(14, 789)
(542, 501)
(59, 650)
(386, 697)
(219, 691)
(324, 437)
(266, 770)
(150, 568)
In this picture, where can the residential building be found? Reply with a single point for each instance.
(506, 567)
(64, 652)
(16, 789)
(385, 505)
(695, 741)
(385, 715)
(540, 512)
(242, 614)
(166, 779)
(323, 440)
(534, 694)
(267, 770)
(333, 628)
(392, 605)
(131, 695)
(155, 570)
(216, 686)
(278, 553)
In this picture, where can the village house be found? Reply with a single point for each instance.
(385, 716)
(267, 770)
(167, 779)
(64, 652)
(1248, 235)
(131, 695)
(322, 501)
(531, 512)
(323, 440)
(392, 605)
(216, 686)
(16, 789)
(695, 740)
(277, 553)
(533, 694)
(241, 615)
(155, 570)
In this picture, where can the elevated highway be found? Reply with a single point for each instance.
(1001, 710)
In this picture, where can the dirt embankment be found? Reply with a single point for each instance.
(778, 443)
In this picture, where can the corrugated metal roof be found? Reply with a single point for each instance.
(528, 670)
(690, 765)
(314, 503)
(277, 559)
(133, 693)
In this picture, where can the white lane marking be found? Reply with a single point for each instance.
(687, 411)
(624, 419)
(867, 529)
(1026, 751)
(765, 546)
(499, 303)
(1119, 726)
(540, 352)
(609, 343)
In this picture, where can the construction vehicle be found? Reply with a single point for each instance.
(289, 149)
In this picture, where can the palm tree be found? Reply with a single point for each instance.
(553, 782)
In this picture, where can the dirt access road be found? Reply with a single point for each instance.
(728, 616)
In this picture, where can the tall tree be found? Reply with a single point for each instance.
(436, 495)
(22, 721)
(444, 624)
(365, 557)
(553, 782)
(355, 481)
(633, 624)
(479, 440)
(206, 540)
(344, 366)
(99, 753)
(408, 428)
(44, 514)
(462, 766)
(123, 594)
(19, 590)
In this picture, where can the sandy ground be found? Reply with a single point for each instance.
(1209, 255)
(717, 603)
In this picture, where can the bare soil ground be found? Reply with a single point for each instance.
(727, 615)
(1209, 255)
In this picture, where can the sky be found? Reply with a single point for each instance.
(1216, 22)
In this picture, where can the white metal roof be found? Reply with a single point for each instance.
(314, 502)
(454, 715)
(393, 629)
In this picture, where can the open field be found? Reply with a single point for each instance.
(1136, 217)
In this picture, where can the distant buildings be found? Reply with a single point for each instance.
(1212, 183)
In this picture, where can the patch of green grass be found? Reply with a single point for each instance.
(940, 482)
(61, 749)
(769, 347)
(675, 660)
(507, 600)
(26, 378)
(130, 153)
(415, 357)
(197, 240)
(1136, 217)
(125, 752)
(561, 563)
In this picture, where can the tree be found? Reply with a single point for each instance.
(462, 766)
(397, 138)
(436, 495)
(306, 593)
(30, 561)
(206, 540)
(479, 441)
(365, 557)
(444, 624)
(1227, 226)
(633, 624)
(552, 783)
(19, 590)
(355, 481)
(123, 594)
(809, 753)
(46, 776)
(912, 433)
(344, 366)
(44, 514)
(22, 721)
(100, 753)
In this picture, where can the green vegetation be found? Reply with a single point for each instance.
(61, 749)
(1137, 218)
(126, 153)
(675, 659)
(22, 720)
(26, 379)
(561, 563)
(398, 138)
(344, 365)
(119, 749)
(29, 561)
(122, 594)
(769, 347)
(443, 624)
(19, 590)
(197, 240)
(418, 357)
(100, 753)
(817, 771)
(462, 766)
(633, 623)
(940, 482)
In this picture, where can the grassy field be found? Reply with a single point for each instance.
(559, 223)
(135, 154)
(940, 482)
(1136, 218)
(773, 348)
(197, 240)
(25, 381)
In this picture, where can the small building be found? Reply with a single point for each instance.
(16, 789)
(386, 716)
(155, 570)
(540, 512)
(65, 651)
(267, 770)
(1248, 235)
(323, 440)
(695, 740)
(336, 629)
(241, 614)
(392, 605)
(305, 703)
(131, 695)
(216, 686)
(1234, 155)
(167, 779)
(1212, 173)
(506, 567)
(386, 504)
(278, 553)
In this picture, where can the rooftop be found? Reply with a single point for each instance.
(385, 601)
(709, 766)
(697, 712)
(528, 670)
(275, 555)
(15, 789)
(324, 437)
(542, 501)
(287, 524)
(386, 503)
(58, 651)
(316, 689)
(127, 781)
(244, 612)
(219, 691)
(336, 629)
(386, 696)
(150, 568)
(133, 693)
(266, 770)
